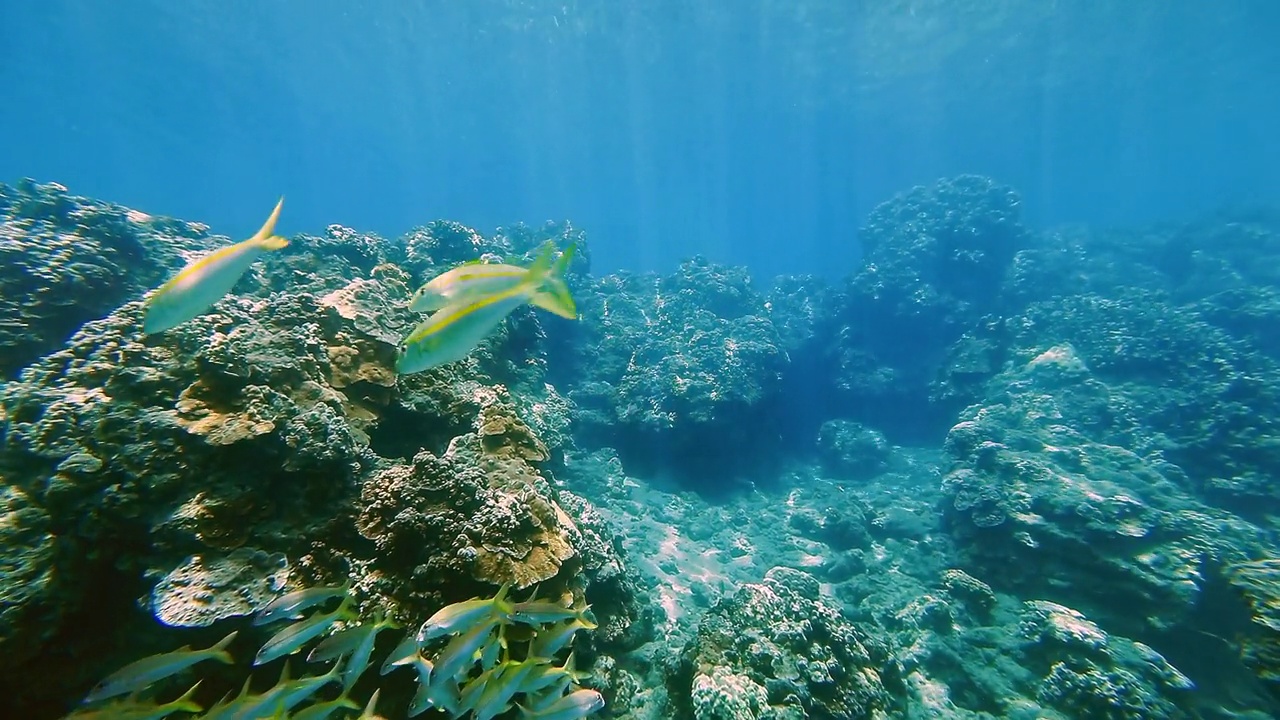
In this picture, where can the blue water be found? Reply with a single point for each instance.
(755, 132)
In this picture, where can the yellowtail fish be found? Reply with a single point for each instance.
(539, 612)
(430, 693)
(469, 282)
(454, 331)
(320, 711)
(545, 675)
(404, 653)
(290, 605)
(287, 694)
(202, 283)
(226, 708)
(495, 696)
(461, 615)
(359, 660)
(575, 705)
(459, 655)
(494, 650)
(552, 640)
(130, 710)
(138, 675)
(292, 638)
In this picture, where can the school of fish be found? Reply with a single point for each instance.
(465, 304)
(467, 658)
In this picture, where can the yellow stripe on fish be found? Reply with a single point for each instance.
(454, 331)
(202, 283)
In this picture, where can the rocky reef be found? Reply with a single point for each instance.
(270, 438)
(993, 472)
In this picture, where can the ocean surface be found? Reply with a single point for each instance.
(664, 360)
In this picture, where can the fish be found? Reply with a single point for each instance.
(404, 653)
(142, 673)
(461, 615)
(129, 710)
(443, 695)
(320, 711)
(545, 675)
(494, 650)
(552, 640)
(495, 697)
(578, 704)
(454, 331)
(359, 660)
(202, 283)
(371, 708)
(287, 694)
(476, 279)
(541, 612)
(338, 644)
(226, 708)
(290, 605)
(292, 638)
(459, 655)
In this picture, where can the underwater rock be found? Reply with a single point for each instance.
(782, 638)
(1258, 582)
(625, 612)
(466, 513)
(852, 451)
(1037, 503)
(33, 598)
(931, 259)
(724, 695)
(1175, 385)
(1086, 672)
(67, 260)
(688, 362)
(206, 589)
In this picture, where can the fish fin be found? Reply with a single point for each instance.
(542, 264)
(219, 651)
(554, 296)
(372, 706)
(266, 238)
(185, 703)
(582, 617)
(502, 605)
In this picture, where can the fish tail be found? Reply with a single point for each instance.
(542, 264)
(554, 296)
(266, 238)
(185, 703)
(219, 652)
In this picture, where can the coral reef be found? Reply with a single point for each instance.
(1258, 582)
(776, 649)
(165, 467)
(1105, 482)
(68, 260)
(851, 450)
(1037, 501)
(931, 259)
(688, 362)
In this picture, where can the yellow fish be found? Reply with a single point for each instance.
(202, 283)
(473, 280)
(454, 331)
